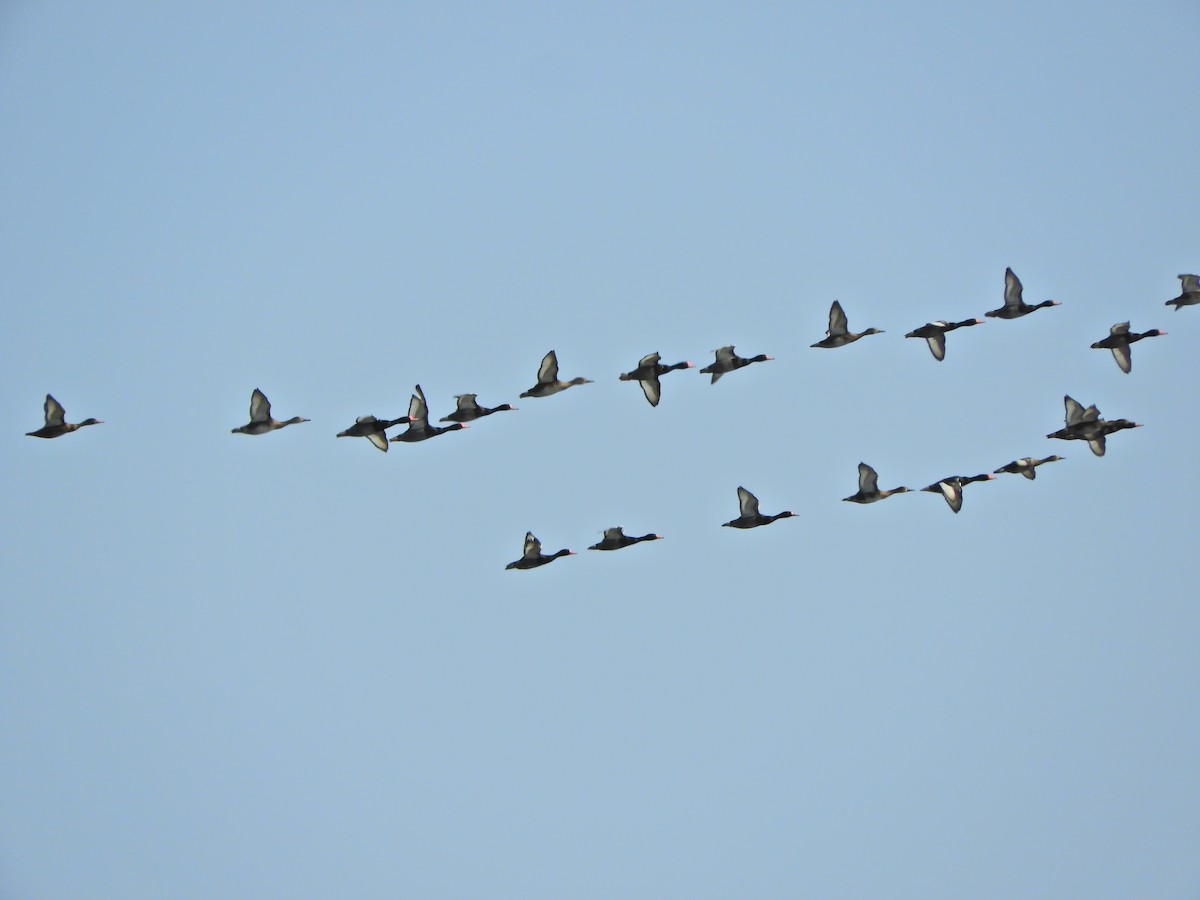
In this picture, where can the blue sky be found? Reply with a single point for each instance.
(293, 666)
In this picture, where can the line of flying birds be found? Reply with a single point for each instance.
(1083, 424)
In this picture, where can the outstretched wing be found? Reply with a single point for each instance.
(724, 354)
(548, 370)
(1097, 445)
(651, 388)
(868, 479)
(418, 411)
(953, 494)
(260, 407)
(1074, 411)
(613, 534)
(650, 360)
(937, 345)
(837, 320)
(1190, 283)
(1119, 328)
(1123, 357)
(466, 402)
(1012, 289)
(747, 502)
(379, 439)
(55, 414)
(532, 548)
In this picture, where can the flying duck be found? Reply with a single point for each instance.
(1014, 307)
(1086, 425)
(868, 487)
(531, 555)
(615, 539)
(1026, 466)
(647, 373)
(56, 421)
(260, 417)
(467, 410)
(837, 334)
(1189, 294)
(1118, 341)
(372, 429)
(952, 488)
(935, 334)
(547, 379)
(419, 428)
(726, 361)
(750, 516)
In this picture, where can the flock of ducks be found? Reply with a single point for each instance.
(1081, 424)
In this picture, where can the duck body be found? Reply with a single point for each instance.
(1026, 466)
(616, 538)
(952, 488)
(56, 424)
(467, 410)
(868, 487)
(727, 361)
(548, 381)
(935, 334)
(1189, 294)
(419, 428)
(1014, 304)
(750, 516)
(649, 370)
(532, 556)
(838, 333)
(260, 417)
(1118, 341)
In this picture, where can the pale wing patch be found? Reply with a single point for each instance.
(1123, 358)
(548, 370)
(747, 502)
(532, 548)
(868, 479)
(55, 414)
(652, 389)
(1190, 283)
(379, 439)
(937, 346)
(1012, 288)
(837, 320)
(260, 407)
(651, 360)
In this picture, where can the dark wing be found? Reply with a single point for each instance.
(260, 407)
(1012, 289)
(466, 403)
(1189, 283)
(613, 534)
(725, 354)
(747, 502)
(548, 370)
(55, 414)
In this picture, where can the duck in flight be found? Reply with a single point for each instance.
(1118, 341)
(467, 410)
(616, 538)
(935, 334)
(1189, 294)
(372, 429)
(750, 516)
(548, 381)
(56, 421)
(1086, 425)
(868, 487)
(838, 334)
(419, 428)
(260, 417)
(647, 373)
(532, 557)
(1026, 466)
(1014, 306)
(727, 361)
(952, 488)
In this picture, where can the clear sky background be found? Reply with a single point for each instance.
(292, 666)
